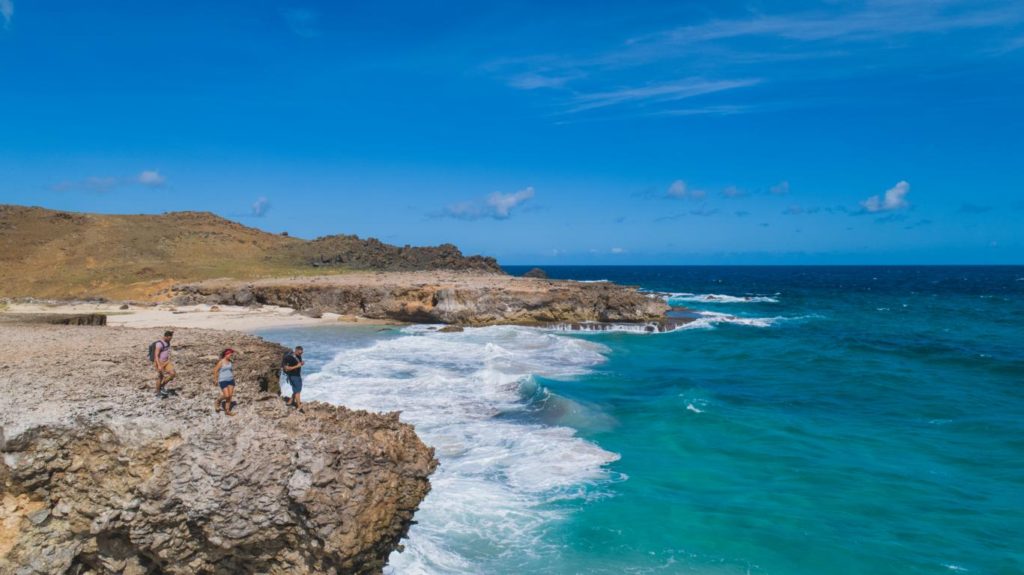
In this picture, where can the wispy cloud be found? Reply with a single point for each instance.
(101, 183)
(871, 21)
(541, 79)
(656, 93)
(780, 189)
(104, 184)
(498, 206)
(830, 41)
(260, 207)
(7, 11)
(895, 198)
(302, 22)
(733, 192)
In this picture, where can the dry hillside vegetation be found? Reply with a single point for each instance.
(52, 254)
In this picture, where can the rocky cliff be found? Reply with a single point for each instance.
(439, 298)
(99, 476)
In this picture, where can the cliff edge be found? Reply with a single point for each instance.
(439, 297)
(99, 476)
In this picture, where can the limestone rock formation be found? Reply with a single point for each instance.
(99, 476)
(470, 300)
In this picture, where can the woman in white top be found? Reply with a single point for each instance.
(224, 375)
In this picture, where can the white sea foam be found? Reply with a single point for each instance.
(499, 467)
(650, 327)
(714, 298)
(710, 319)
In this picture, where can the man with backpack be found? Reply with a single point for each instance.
(292, 367)
(160, 355)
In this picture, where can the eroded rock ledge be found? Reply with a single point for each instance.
(437, 297)
(98, 476)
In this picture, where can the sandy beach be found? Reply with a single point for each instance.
(203, 316)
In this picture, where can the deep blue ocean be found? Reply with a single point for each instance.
(813, 420)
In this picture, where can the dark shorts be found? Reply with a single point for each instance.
(224, 384)
(296, 382)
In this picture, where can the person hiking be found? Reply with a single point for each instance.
(224, 376)
(292, 366)
(160, 354)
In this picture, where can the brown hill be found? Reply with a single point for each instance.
(55, 254)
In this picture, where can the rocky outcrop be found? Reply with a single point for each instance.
(56, 318)
(441, 298)
(536, 273)
(99, 476)
(353, 252)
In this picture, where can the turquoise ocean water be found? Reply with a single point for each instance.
(843, 420)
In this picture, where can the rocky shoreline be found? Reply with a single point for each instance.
(438, 297)
(99, 476)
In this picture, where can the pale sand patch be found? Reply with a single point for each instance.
(195, 316)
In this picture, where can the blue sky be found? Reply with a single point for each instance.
(883, 131)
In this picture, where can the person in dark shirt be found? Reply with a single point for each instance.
(292, 366)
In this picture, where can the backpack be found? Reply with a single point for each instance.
(284, 362)
(152, 349)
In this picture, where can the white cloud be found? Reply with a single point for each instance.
(618, 250)
(895, 198)
(502, 204)
(7, 10)
(260, 207)
(679, 189)
(780, 189)
(151, 178)
(497, 205)
(733, 192)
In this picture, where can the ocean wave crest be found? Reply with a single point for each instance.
(473, 397)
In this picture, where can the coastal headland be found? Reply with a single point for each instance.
(100, 476)
(184, 258)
